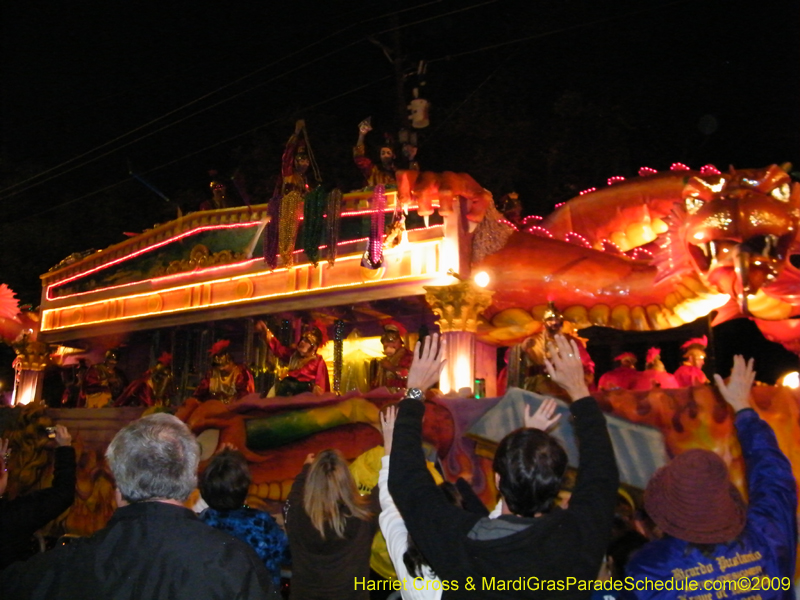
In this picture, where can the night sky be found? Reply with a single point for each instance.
(546, 98)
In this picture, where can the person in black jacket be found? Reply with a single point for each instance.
(153, 547)
(21, 517)
(533, 549)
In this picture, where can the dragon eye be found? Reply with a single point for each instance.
(693, 204)
(781, 193)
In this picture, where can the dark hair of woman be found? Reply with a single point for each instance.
(225, 481)
(412, 557)
(531, 465)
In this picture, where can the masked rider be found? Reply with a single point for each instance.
(226, 380)
(392, 370)
(103, 382)
(306, 370)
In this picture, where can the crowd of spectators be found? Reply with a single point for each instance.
(692, 536)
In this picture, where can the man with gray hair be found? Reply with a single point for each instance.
(153, 547)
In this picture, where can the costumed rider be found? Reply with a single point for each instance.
(153, 388)
(219, 193)
(103, 382)
(623, 376)
(306, 370)
(655, 374)
(295, 162)
(690, 373)
(226, 380)
(382, 173)
(535, 348)
(392, 370)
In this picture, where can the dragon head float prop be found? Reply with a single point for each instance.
(654, 252)
(738, 228)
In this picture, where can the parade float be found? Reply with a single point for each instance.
(432, 253)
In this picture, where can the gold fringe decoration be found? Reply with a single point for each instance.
(287, 226)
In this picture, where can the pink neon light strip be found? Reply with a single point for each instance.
(154, 246)
(509, 223)
(205, 271)
(183, 235)
(582, 240)
(293, 293)
(638, 253)
(537, 230)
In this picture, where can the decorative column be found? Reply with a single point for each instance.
(457, 307)
(32, 358)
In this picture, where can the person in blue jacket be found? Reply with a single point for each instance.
(715, 546)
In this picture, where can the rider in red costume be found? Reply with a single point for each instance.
(655, 375)
(153, 388)
(103, 382)
(307, 371)
(226, 380)
(623, 377)
(392, 370)
(690, 373)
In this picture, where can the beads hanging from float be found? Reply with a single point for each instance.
(338, 354)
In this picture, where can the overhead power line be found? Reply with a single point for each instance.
(320, 103)
(219, 89)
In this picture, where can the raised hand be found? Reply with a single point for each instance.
(565, 368)
(427, 367)
(63, 437)
(737, 390)
(388, 417)
(543, 418)
(365, 126)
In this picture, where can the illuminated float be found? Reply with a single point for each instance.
(647, 254)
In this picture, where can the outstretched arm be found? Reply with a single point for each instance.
(33, 511)
(388, 418)
(770, 482)
(438, 527)
(595, 493)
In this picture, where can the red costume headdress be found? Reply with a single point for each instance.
(220, 347)
(316, 334)
(653, 354)
(165, 359)
(699, 342)
(392, 325)
(629, 356)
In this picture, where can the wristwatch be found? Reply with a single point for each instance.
(415, 394)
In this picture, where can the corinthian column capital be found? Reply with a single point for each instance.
(458, 306)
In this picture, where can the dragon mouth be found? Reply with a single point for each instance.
(741, 268)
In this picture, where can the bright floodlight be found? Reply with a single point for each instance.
(791, 380)
(481, 279)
